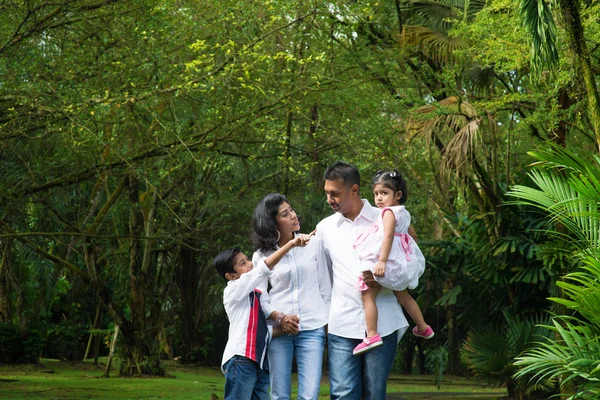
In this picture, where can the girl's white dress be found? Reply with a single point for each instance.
(405, 263)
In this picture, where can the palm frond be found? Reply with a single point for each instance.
(576, 356)
(436, 45)
(434, 14)
(539, 22)
(490, 354)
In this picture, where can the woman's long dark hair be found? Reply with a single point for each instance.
(264, 222)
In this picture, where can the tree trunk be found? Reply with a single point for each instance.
(139, 337)
(92, 335)
(5, 303)
(574, 27)
(113, 344)
(454, 364)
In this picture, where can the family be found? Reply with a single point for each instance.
(342, 284)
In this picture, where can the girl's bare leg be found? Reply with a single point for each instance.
(371, 314)
(411, 307)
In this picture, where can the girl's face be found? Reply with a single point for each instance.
(287, 221)
(386, 197)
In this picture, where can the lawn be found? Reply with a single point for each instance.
(52, 379)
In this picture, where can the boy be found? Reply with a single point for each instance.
(244, 360)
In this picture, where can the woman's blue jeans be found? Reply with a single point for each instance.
(307, 347)
(359, 377)
(244, 379)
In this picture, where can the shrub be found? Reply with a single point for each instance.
(20, 347)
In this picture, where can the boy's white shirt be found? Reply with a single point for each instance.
(235, 300)
(346, 315)
(301, 285)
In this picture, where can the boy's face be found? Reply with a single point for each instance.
(241, 265)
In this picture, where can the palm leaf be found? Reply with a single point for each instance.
(538, 21)
(434, 14)
(434, 44)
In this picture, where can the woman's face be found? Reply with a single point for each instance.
(287, 221)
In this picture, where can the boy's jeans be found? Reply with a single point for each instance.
(307, 347)
(359, 377)
(244, 379)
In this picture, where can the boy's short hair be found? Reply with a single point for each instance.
(223, 262)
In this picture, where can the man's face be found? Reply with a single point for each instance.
(340, 196)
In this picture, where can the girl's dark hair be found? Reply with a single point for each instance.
(223, 262)
(392, 180)
(264, 222)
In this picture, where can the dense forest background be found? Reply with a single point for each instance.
(136, 137)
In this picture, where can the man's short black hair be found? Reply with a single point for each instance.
(344, 171)
(223, 262)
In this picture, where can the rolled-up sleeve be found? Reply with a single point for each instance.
(265, 298)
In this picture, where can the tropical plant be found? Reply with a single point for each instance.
(490, 354)
(568, 190)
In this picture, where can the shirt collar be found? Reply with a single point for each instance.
(365, 212)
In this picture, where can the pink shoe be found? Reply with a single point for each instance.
(427, 333)
(367, 344)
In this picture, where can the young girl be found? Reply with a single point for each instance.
(392, 255)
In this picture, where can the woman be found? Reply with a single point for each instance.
(298, 301)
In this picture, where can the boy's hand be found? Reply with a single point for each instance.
(379, 269)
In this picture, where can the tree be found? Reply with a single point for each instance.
(539, 21)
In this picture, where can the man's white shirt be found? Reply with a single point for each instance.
(346, 315)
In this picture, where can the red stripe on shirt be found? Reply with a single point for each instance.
(251, 332)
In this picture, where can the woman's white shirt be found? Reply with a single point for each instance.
(300, 284)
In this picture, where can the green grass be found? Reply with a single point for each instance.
(52, 379)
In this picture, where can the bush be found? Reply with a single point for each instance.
(67, 341)
(20, 347)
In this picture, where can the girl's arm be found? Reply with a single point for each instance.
(389, 223)
(413, 233)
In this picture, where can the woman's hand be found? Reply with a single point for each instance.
(379, 269)
(290, 324)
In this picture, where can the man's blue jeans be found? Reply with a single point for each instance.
(360, 377)
(307, 347)
(244, 379)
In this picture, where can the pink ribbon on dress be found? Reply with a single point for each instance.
(360, 284)
(405, 243)
(364, 235)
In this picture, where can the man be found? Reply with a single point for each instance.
(361, 376)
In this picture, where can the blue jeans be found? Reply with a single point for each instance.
(244, 379)
(308, 348)
(360, 377)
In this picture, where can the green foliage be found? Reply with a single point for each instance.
(567, 189)
(436, 362)
(136, 139)
(490, 354)
(539, 22)
(18, 347)
(66, 340)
